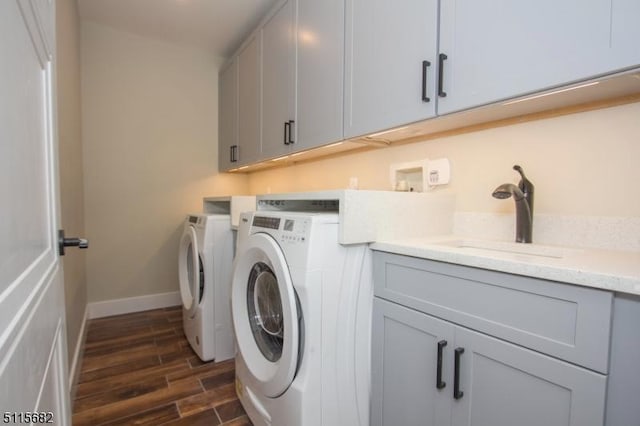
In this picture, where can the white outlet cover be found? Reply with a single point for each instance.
(438, 172)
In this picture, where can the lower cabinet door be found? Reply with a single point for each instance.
(505, 385)
(405, 386)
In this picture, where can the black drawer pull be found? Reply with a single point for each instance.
(457, 393)
(425, 65)
(286, 128)
(439, 383)
(441, 58)
(233, 154)
(291, 123)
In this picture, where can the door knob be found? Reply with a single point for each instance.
(70, 242)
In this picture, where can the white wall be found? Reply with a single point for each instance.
(150, 156)
(581, 164)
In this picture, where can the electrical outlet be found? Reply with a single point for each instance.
(434, 176)
(438, 172)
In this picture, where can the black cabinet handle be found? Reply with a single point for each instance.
(291, 123)
(457, 393)
(425, 65)
(439, 383)
(234, 153)
(286, 127)
(441, 58)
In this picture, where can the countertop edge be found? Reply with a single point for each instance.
(569, 273)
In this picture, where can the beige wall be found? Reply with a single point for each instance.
(70, 164)
(581, 164)
(150, 155)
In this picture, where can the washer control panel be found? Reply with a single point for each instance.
(284, 229)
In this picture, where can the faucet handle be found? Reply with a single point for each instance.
(525, 186)
(519, 170)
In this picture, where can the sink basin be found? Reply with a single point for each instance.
(507, 247)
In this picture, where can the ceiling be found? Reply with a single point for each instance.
(216, 25)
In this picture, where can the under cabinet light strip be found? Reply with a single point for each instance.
(593, 83)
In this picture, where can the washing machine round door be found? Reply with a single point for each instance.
(265, 315)
(190, 271)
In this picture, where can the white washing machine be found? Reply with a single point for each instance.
(204, 268)
(301, 306)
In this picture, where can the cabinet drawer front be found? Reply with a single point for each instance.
(565, 321)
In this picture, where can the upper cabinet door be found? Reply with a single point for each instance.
(249, 102)
(278, 82)
(228, 115)
(320, 66)
(387, 43)
(501, 49)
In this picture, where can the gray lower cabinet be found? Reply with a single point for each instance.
(498, 383)
(466, 350)
(504, 384)
(405, 367)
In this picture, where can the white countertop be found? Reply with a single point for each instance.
(604, 269)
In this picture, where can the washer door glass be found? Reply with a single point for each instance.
(265, 315)
(190, 271)
(264, 307)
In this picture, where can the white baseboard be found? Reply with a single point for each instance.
(133, 304)
(74, 370)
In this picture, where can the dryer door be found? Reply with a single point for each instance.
(265, 315)
(190, 271)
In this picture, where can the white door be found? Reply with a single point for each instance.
(33, 359)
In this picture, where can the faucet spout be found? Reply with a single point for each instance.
(523, 197)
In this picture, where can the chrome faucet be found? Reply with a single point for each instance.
(523, 196)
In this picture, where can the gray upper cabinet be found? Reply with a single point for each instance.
(302, 76)
(320, 73)
(475, 53)
(502, 49)
(278, 81)
(248, 102)
(290, 84)
(228, 115)
(317, 72)
(391, 64)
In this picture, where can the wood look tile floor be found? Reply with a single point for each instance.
(138, 369)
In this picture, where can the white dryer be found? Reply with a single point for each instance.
(204, 268)
(301, 306)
